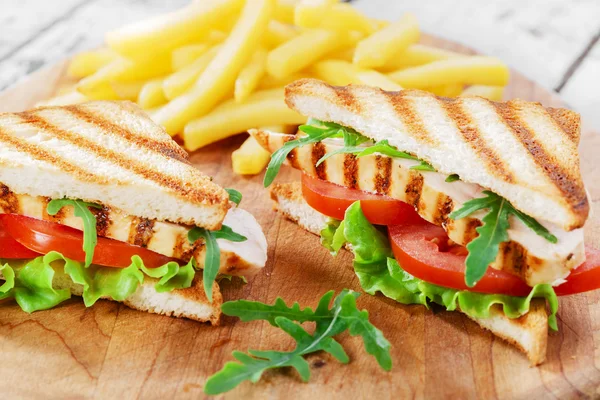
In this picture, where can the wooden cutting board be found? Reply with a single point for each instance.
(110, 351)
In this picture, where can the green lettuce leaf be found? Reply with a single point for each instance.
(378, 271)
(31, 282)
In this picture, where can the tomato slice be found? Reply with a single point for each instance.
(10, 248)
(423, 251)
(333, 200)
(584, 278)
(44, 237)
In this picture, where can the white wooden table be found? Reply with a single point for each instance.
(554, 42)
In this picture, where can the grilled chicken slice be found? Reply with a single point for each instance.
(169, 239)
(527, 254)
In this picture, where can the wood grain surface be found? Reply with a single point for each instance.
(110, 351)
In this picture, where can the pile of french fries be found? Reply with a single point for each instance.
(218, 67)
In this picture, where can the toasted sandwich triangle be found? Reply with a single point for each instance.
(519, 150)
(109, 153)
(528, 333)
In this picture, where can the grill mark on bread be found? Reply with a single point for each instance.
(142, 230)
(470, 133)
(101, 122)
(562, 179)
(318, 151)
(138, 168)
(346, 98)
(350, 171)
(36, 152)
(568, 121)
(9, 202)
(383, 174)
(410, 118)
(414, 187)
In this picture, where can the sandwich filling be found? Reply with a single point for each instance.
(108, 254)
(422, 236)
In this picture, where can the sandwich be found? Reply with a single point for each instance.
(475, 205)
(98, 201)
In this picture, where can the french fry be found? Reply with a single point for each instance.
(230, 118)
(344, 17)
(300, 52)
(336, 72)
(446, 90)
(415, 55)
(152, 95)
(165, 33)
(494, 93)
(219, 77)
(475, 70)
(97, 86)
(185, 55)
(270, 82)
(344, 54)
(279, 33)
(179, 82)
(310, 13)
(86, 63)
(128, 90)
(64, 99)
(249, 77)
(377, 79)
(381, 46)
(284, 11)
(340, 73)
(250, 158)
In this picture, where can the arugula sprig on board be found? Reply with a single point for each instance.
(344, 315)
(212, 260)
(483, 250)
(82, 210)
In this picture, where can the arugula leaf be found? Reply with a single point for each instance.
(344, 315)
(212, 261)
(483, 250)
(315, 135)
(351, 142)
(81, 209)
(234, 196)
(452, 178)
(379, 272)
(228, 234)
(385, 148)
(423, 166)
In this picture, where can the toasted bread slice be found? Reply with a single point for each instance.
(519, 150)
(109, 153)
(188, 303)
(529, 333)
(525, 254)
